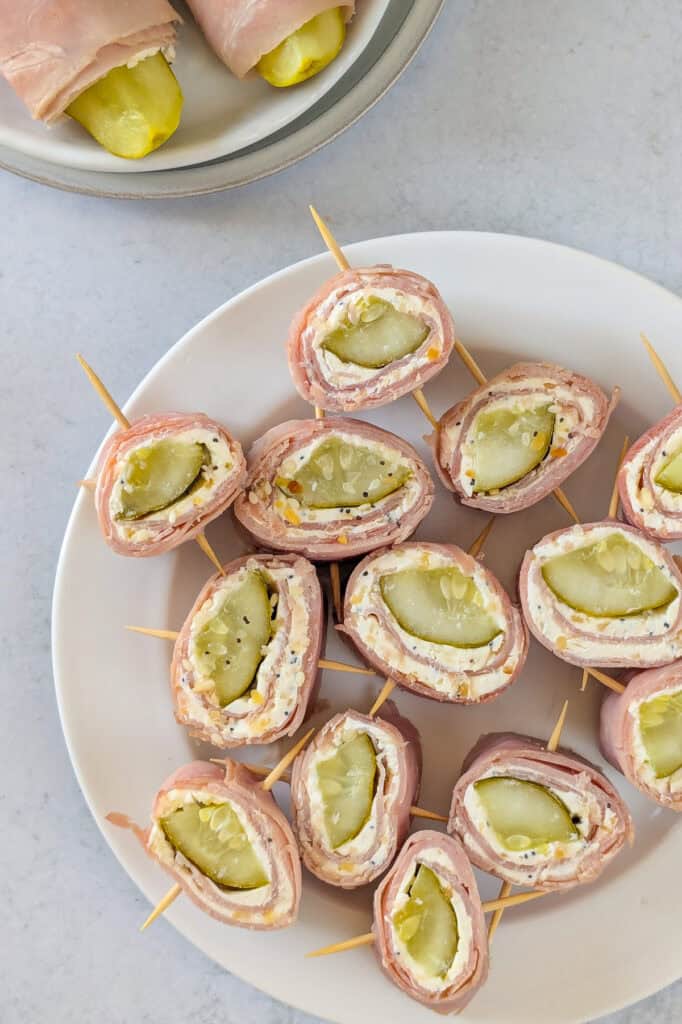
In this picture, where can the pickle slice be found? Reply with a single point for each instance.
(382, 336)
(212, 838)
(442, 606)
(524, 814)
(508, 444)
(427, 924)
(610, 578)
(670, 476)
(158, 475)
(229, 647)
(131, 111)
(660, 723)
(346, 783)
(306, 51)
(342, 475)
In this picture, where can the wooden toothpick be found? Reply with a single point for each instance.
(605, 680)
(343, 264)
(385, 692)
(335, 577)
(124, 424)
(662, 371)
(267, 784)
(615, 494)
(475, 548)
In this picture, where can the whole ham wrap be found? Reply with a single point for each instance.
(468, 669)
(221, 479)
(452, 989)
(652, 636)
(304, 489)
(643, 721)
(360, 301)
(519, 436)
(199, 785)
(52, 50)
(648, 504)
(242, 31)
(369, 851)
(587, 820)
(284, 684)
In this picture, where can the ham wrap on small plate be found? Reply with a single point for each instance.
(429, 927)
(650, 480)
(603, 594)
(242, 31)
(367, 337)
(641, 733)
(536, 818)
(222, 837)
(351, 792)
(436, 621)
(245, 665)
(332, 489)
(161, 481)
(519, 436)
(53, 50)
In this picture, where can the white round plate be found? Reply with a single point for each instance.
(221, 114)
(562, 958)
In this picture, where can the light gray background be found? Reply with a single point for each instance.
(553, 118)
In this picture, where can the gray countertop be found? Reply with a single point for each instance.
(539, 117)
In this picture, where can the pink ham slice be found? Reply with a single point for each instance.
(398, 754)
(242, 31)
(604, 821)
(447, 859)
(619, 737)
(641, 641)
(438, 671)
(52, 50)
(648, 506)
(579, 405)
(330, 384)
(161, 534)
(339, 533)
(279, 899)
(287, 678)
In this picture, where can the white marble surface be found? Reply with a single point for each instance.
(541, 117)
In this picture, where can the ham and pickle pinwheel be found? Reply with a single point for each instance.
(535, 817)
(519, 436)
(430, 933)
(650, 480)
(332, 489)
(163, 479)
(369, 336)
(245, 664)
(102, 63)
(641, 733)
(436, 621)
(223, 839)
(603, 594)
(351, 791)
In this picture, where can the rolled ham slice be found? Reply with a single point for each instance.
(581, 412)
(52, 50)
(270, 906)
(648, 505)
(469, 969)
(342, 386)
(242, 31)
(600, 817)
(287, 677)
(621, 738)
(274, 517)
(631, 641)
(398, 768)
(457, 674)
(161, 531)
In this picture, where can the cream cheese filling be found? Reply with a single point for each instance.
(649, 498)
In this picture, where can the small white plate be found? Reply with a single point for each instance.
(221, 114)
(563, 958)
